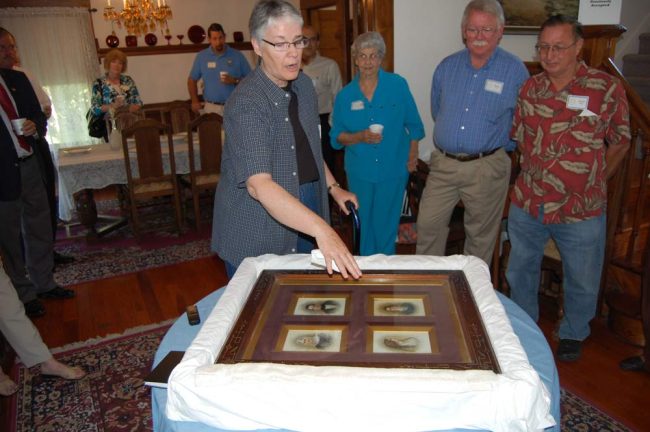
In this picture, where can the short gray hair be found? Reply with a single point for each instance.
(492, 7)
(369, 40)
(266, 12)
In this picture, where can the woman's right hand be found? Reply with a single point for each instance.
(370, 137)
(335, 250)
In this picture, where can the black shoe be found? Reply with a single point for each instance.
(569, 350)
(57, 293)
(636, 363)
(59, 258)
(34, 309)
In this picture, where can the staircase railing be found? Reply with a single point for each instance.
(632, 216)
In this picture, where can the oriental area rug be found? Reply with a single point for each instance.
(120, 252)
(113, 396)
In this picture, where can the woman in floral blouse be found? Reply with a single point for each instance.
(115, 90)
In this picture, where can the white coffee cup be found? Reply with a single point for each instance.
(17, 124)
(376, 128)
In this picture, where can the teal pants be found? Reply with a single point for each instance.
(380, 206)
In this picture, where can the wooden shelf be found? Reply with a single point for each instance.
(171, 49)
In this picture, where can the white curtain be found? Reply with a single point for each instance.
(56, 44)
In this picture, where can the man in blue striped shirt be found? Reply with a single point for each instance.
(473, 96)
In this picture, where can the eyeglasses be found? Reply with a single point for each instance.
(284, 46)
(371, 57)
(487, 31)
(555, 49)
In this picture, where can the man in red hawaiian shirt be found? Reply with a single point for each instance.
(572, 128)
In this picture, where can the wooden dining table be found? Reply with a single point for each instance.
(85, 169)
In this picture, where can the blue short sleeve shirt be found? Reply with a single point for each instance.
(208, 65)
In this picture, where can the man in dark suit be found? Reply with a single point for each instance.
(9, 59)
(26, 240)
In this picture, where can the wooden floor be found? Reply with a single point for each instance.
(115, 304)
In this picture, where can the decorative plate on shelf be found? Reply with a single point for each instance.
(196, 34)
(150, 39)
(131, 40)
(112, 41)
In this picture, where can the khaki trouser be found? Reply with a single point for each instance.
(481, 184)
(212, 108)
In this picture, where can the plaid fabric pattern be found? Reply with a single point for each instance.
(260, 139)
(471, 114)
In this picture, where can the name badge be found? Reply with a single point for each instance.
(356, 105)
(212, 65)
(577, 102)
(493, 86)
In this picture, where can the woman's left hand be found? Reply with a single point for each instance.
(134, 108)
(341, 196)
(412, 164)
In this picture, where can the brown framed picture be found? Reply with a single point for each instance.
(390, 319)
(396, 306)
(301, 338)
(402, 340)
(526, 16)
(318, 304)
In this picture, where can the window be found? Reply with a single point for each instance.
(56, 45)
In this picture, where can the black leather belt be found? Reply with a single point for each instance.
(215, 103)
(467, 157)
(25, 158)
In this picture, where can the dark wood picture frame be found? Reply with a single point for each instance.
(526, 16)
(443, 329)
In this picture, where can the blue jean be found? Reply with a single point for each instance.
(582, 249)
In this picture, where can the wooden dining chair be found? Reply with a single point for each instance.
(149, 180)
(125, 119)
(203, 133)
(179, 115)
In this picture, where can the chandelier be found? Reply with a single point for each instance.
(140, 16)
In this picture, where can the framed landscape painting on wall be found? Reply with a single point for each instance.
(525, 16)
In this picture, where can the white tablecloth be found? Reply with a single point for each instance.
(265, 396)
(103, 166)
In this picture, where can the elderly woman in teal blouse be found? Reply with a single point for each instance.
(377, 164)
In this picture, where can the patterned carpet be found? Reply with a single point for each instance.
(120, 252)
(113, 398)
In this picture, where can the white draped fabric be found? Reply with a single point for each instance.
(261, 395)
(56, 44)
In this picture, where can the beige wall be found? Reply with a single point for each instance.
(162, 78)
(426, 31)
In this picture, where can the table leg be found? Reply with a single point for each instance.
(88, 216)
